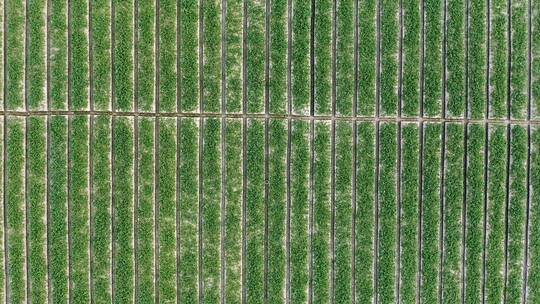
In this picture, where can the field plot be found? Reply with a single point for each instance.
(270, 151)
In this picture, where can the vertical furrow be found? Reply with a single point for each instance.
(498, 59)
(433, 64)
(411, 57)
(344, 57)
(409, 217)
(212, 55)
(323, 57)
(79, 54)
(455, 58)
(477, 58)
(36, 55)
(519, 57)
(255, 56)
(167, 56)
(234, 55)
(146, 53)
(123, 55)
(278, 57)
(301, 69)
(367, 57)
(15, 55)
(389, 57)
(101, 57)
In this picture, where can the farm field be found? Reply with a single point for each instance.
(270, 151)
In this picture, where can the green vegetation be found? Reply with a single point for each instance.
(344, 85)
(433, 66)
(101, 209)
(212, 56)
(301, 66)
(167, 55)
(519, 60)
(2, 84)
(36, 208)
(389, 41)
(79, 206)
(278, 102)
(233, 62)
(123, 209)
(367, 56)
(323, 56)
(453, 213)
(535, 58)
(534, 242)
(388, 213)
(300, 246)
(146, 226)
(146, 69)
(517, 214)
(166, 205)
(455, 58)
(254, 216)
(211, 210)
(430, 213)
(233, 211)
(35, 64)
(412, 57)
(102, 51)
(255, 56)
(79, 52)
(189, 60)
(365, 213)
(409, 213)
(2, 244)
(498, 59)
(123, 55)
(322, 213)
(15, 54)
(277, 209)
(189, 210)
(474, 242)
(495, 255)
(477, 58)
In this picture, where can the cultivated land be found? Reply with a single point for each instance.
(270, 151)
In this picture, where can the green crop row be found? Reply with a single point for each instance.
(498, 58)
(234, 48)
(367, 56)
(430, 213)
(517, 214)
(519, 60)
(534, 243)
(365, 213)
(496, 215)
(123, 55)
(323, 56)
(79, 53)
(167, 54)
(433, 66)
(35, 64)
(211, 210)
(101, 209)
(146, 68)
(409, 213)
(412, 28)
(277, 209)
(535, 56)
(474, 241)
(189, 48)
(15, 53)
(2, 224)
(455, 58)
(301, 66)
(278, 57)
(255, 56)
(101, 49)
(189, 210)
(212, 56)
(389, 40)
(477, 58)
(2, 71)
(344, 57)
(322, 213)
(300, 198)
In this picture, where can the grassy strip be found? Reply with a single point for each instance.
(411, 57)
(455, 58)
(498, 58)
(322, 213)
(535, 57)
(101, 48)
(344, 57)
(146, 69)
(430, 213)
(146, 238)
(475, 214)
(15, 52)
(301, 66)
(233, 42)
(517, 214)
(123, 55)
(189, 210)
(167, 55)
(278, 57)
(433, 67)
(167, 210)
(36, 55)
(496, 215)
(255, 56)
(80, 228)
(233, 212)
(534, 241)
(189, 60)
(79, 54)
(367, 56)
(58, 226)
(387, 213)
(101, 204)
(453, 213)
(323, 57)
(277, 210)
(519, 51)
(365, 213)
(211, 207)
(36, 200)
(212, 56)
(300, 246)
(123, 209)
(477, 58)
(389, 57)
(254, 276)
(409, 217)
